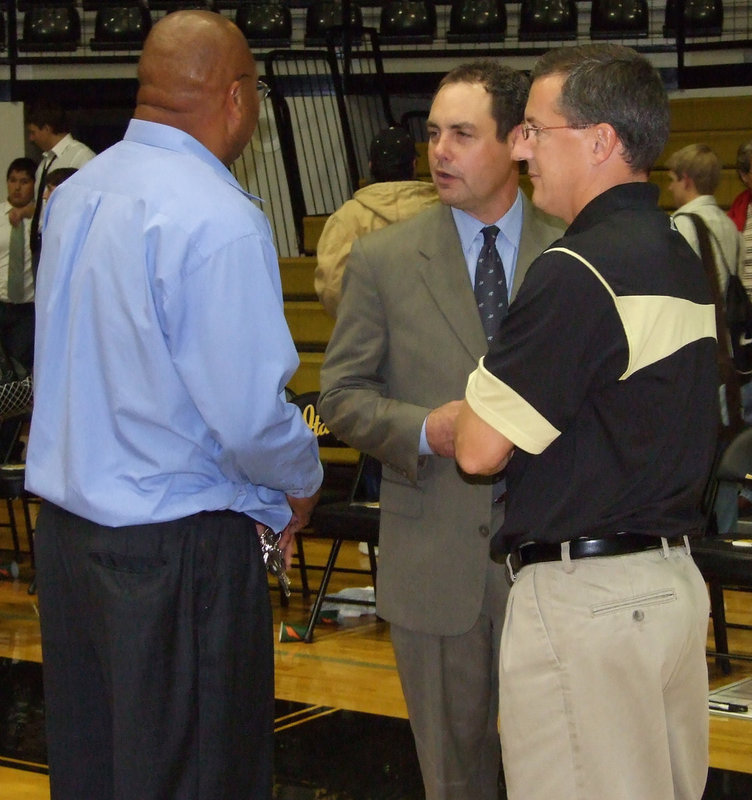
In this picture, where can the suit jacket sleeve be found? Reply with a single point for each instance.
(353, 400)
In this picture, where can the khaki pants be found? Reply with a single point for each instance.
(603, 680)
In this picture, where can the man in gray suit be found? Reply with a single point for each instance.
(408, 334)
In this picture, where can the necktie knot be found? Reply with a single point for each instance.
(490, 233)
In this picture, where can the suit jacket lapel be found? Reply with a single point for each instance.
(444, 272)
(530, 247)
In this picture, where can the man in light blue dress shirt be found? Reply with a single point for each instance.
(161, 440)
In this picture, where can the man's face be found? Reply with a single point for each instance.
(471, 168)
(678, 188)
(559, 161)
(42, 137)
(249, 105)
(20, 188)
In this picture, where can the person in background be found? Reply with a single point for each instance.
(54, 178)
(599, 397)
(741, 211)
(393, 195)
(409, 330)
(47, 127)
(162, 444)
(694, 173)
(16, 281)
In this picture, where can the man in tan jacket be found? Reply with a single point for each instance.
(394, 195)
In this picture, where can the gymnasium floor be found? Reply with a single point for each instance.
(341, 728)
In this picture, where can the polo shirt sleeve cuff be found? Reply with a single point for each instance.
(503, 409)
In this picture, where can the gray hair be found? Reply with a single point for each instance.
(613, 84)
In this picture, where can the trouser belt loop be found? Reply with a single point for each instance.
(664, 545)
(565, 559)
(687, 548)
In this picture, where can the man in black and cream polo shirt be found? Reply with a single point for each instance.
(600, 395)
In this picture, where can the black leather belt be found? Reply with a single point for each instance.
(620, 544)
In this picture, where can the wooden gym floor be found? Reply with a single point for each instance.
(341, 729)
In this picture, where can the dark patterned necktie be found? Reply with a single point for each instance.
(490, 284)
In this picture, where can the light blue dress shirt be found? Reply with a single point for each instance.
(507, 242)
(162, 351)
(471, 239)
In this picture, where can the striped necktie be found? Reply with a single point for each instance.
(16, 264)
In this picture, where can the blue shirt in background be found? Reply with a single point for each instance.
(162, 350)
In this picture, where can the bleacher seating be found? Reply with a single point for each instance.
(613, 19)
(265, 24)
(51, 28)
(121, 27)
(322, 15)
(477, 21)
(407, 22)
(547, 20)
(723, 123)
(701, 17)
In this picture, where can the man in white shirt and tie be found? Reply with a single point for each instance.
(16, 282)
(47, 127)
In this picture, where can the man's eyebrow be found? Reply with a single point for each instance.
(454, 126)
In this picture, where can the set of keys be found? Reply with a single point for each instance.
(274, 558)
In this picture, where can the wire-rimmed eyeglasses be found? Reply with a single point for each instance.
(536, 129)
(262, 88)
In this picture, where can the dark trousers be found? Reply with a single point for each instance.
(158, 658)
(17, 340)
(17, 331)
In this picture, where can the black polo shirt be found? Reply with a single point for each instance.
(605, 378)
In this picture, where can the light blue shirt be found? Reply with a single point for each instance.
(162, 351)
(471, 239)
(507, 242)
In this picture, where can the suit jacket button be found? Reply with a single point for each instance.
(484, 530)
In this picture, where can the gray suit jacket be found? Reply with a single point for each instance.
(407, 336)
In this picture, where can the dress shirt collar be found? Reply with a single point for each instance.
(510, 225)
(59, 148)
(157, 135)
(701, 201)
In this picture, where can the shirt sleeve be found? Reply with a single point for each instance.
(232, 348)
(561, 333)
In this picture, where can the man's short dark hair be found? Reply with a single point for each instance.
(27, 165)
(392, 155)
(56, 176)
(48, 112)
(508, 88)
(613, 84)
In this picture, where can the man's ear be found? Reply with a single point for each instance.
(605, 141)
(235, 98)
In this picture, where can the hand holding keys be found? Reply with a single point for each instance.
(274, 558)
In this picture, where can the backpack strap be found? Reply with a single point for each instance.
(729, 377)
